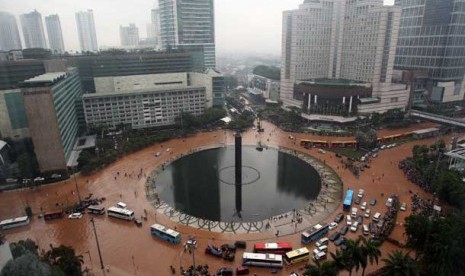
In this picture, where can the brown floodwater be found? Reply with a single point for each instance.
(129, 250)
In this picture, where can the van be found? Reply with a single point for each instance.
(389, 202)
(321, 242)
(322, 151)
(354, 226)
(121, 205)
(376, 217)
(354, 212)
(323, 248)
(366, 230)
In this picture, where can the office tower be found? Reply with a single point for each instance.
(189, 24)
(9, 34)
(431, 42)
(338, 57)
(129, 35)
(86, 31)
(55, 35)
(33, 30)
(153, 29)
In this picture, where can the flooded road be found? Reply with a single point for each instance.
(129, 250)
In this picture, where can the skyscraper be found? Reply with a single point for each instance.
(9, 34)
(33, 30)
(189, 24)
(431, 41)
(153, 28)
(129, 35)
(338, 56)
(86, 31)
(55, 35)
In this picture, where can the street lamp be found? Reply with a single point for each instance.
(98, 245)
(77, 186)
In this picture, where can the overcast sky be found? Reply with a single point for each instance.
(241, 25)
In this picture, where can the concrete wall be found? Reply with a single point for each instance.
(203, 80)
(140, 82)
(449, 89)
(44, 129)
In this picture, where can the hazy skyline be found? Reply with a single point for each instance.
(240, 25)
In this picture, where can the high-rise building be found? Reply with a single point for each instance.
(129, 35)
(153, 28)
(189, 24)
(338, 57)
(33, 30)
(86, 31)
(55, 35)
(9, 34)
(431, 41)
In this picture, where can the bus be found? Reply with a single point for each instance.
(15, 222)
(53, 215)
(348, 200)
(279, 248)
(263, 260)
(315, 233)
(165, 233)
(298, 255)
(120, 213)
(96, 209)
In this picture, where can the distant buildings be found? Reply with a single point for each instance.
(129, 36)
(55, 35)
(86, 31)
(189, 24)
(338, 57)
(33, 30)
(268, 88)
(432, 45)
(9, 34)
(153, 29)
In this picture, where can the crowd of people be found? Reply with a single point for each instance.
(414, 175)
(200, 270)
(421, 205)
(389, 219)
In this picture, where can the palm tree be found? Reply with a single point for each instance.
(350, 258)
(398, 264)
(327, 268)
(370, 250)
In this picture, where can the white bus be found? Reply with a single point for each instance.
(96, 209)
(120, 213)
(298, 255)
(263, 260)
(15, 222)
(165, 233)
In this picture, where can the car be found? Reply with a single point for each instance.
(361, 192)
(380, 223)
(225, 271)
(334, 236)
(374, 155)
(354, 226)
(191, 243)
(332, 225)
(338, 155)
(228, 247)
(403, 207)
(348, 220)
(242, 270)
(358, 200)
(75, 216)
(294, 274)
(339, 218)
(157, 154)
(363, 159)
(138, 222)
(344, 230)
(364, 206)
(168, 149)
(339, 241)
(321, 242)
(214, 251)
(55, 176)
(382, 147)
(319, 256)
(323, 248)
(389, 202)
(371, 225)
(360, 219)
(354, 212)
(240, 244)
(373, 202)
(322, 151)
(367, 213)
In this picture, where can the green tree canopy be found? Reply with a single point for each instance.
(270, 72)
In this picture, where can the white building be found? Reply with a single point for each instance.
(189, 24)
(129, 35)
(86, 31)
(9, 34)
(33, 30)
(55, 35)
(331, 47)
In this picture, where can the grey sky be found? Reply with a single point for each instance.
(241, 25)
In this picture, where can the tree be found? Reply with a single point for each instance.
(23, 247)
(327, 268)
(26, 265)
(370, 249)
(350, 258)
(65, 259)
(399, 264)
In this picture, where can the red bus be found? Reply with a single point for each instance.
(278, 248)
(53, 215)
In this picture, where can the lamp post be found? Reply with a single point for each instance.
(98, 245)
(77, 186)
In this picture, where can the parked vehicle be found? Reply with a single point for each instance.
(373, 202)
(403, 207)
(344, 230)
(339, 218)
(334, 236)
(332, 225)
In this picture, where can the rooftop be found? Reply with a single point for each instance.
(47, 78)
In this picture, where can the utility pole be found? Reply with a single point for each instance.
(77, 186)
(98, 245)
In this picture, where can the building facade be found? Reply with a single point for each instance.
(52, 104)
(33, 30)
(153, 28)
(86, 31)
(55, 35)
(9, 34)
(129, 36)
(330, 47)
(431, 42)
(189, 24)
